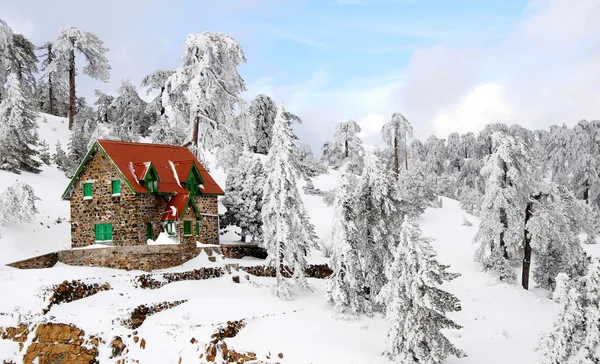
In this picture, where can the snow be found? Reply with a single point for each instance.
(162, 239)
(501, 322)
(174, 173)
(132, 170)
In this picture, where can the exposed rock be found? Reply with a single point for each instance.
(149, 280)
(140, 313)
(118, 347)
(60, 343)
(17, 334)
(236, 279)
(212, 259)
(73, 291)
(143, 344)
(312, 271)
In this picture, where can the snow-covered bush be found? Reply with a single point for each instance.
(17, 204)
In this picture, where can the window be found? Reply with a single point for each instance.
(151, 180)
(171, 228)
(149, 231)
(187, 227)
(197, 228)
(87, 191)
(116, 187)
(152, 186)
(103, 232)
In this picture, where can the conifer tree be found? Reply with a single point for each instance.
(60, 157)
(69, 40)
(345, 288)
(510, 176)
(244, 196)
(395, 134)
(53, 88)
(17, 203)
(378, 215)
(346, 146)
(285, 227)
(18, 130)
(415, 305)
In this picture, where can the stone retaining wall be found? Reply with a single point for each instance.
(238, 251)
(39, 262)
(142, 257)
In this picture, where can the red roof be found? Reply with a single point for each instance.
(175, 207)
(172, 164)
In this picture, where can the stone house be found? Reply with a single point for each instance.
(124, 194)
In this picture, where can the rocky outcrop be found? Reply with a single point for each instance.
(73, 291)
(61, 343)
(312, 271)
(140, 313)
(154, 281)
(217, 350)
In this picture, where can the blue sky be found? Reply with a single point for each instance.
(447, 65)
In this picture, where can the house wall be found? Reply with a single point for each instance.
(209, 230)
(128, 213)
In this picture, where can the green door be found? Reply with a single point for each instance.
(103, 232)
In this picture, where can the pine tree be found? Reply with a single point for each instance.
(209, 80)
(285, 232)
(415, 305)
(555, 219)
(415, 191)
(435, 154)
(104, 107)
(60, 157)
(166, 132)
(454, 153)
(307, 165)
(53, 88)
(45, 152)
(346, 146)
(575, 337)
(345, 288)
(23, 62)
(80, 138)
(244, 196)
(18, 134)
(262, 112)
(378, 215)
(69, 40)
(130, 119)
(156, 81)
(395, 134)
(510, 176)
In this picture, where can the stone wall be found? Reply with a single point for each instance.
(143, 257)
(39, 262)
(238, 251)
(128, 213)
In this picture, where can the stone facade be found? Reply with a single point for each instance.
(39, 262)
(238, 251)
(128, 213)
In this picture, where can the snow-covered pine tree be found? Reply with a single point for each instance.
(510, 177)
(285, 233)
(81, 134)
(18, 130)
(575, 337)
(469, 185)
(244, 196)
(164, 131)
(156, 81)
(468, 144)
(210, 82)
(17, 203)
(91, 47)
(104, 107)
(378, 216)
(417, 150)
(53, 88)
(454, 153)
(435, 154)
(485, 145)
(415, 305)
(415, 191)
(23, 62)
(345, 288)
(130, 120)
(555, 219)
(307, 165)
(45, 152)
(395, 134)
(346, 146)
(6, 35)
(262, 112)
(60, 157)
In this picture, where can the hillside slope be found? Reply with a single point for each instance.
(501, 322)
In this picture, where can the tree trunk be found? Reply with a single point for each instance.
(396, 156)
(195, 132)
(527, 250)
(346, 148)
(50, 91)
(162, 107)
(504, 222)
(72, 84)
(586, 193)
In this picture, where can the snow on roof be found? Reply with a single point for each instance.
(174, 172)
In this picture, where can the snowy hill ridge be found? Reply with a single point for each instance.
(501, 322)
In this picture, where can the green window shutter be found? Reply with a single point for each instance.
(148, 230)
(187, 228)
(99, 232)
(116, 187)
(87, 190)
(197, 228)
(108, 231)
(171, 228)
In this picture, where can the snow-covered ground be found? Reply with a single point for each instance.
(501, 322)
